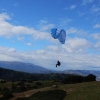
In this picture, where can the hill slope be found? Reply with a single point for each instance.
(11, 75)
(79, 91)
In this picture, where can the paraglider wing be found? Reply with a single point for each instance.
(55, 33)
(62, 36)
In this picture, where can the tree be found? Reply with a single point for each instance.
(91, 77)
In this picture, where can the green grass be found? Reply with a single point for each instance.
(7, 84)
(84, 91)
(79, 91)
(44, 84)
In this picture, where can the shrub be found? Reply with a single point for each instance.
(20, 83)
(47, 95)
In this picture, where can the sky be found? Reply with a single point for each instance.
(25, 33)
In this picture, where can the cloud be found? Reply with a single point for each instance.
(8, 30)
(28, 44)
(43, 25)
(96, 36)
(16, 4)
(8, 54)
(76, 45)
(4, 17)
(3, 10)
(72, 7)
(53, 48)
(85, 2)
(43, 22)
(81, 13)
(96, 26)
(48, 58)
(96, 48)
(97, 44)
(73, 30)
(11, 50)
(46, 27)
(73, 54)
(64, 21)
(95, 8)
(21, 38)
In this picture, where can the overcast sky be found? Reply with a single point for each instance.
(25, 33)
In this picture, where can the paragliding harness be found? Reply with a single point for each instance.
(58, 63)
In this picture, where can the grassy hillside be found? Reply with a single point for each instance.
(79, 91)
(82, 91)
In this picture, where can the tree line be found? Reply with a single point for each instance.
(70, 79)
(11, 75)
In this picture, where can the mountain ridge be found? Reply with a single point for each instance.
(31, 68)
(24, 67)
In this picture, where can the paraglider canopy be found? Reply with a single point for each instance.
(59, 34)
(55, 33)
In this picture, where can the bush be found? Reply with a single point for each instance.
(2, 81)
(90, 77)
(7, 94)
(73, 79)
(20, 83)
(39, 83)
(20, 87)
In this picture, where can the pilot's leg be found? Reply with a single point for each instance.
(56, 65)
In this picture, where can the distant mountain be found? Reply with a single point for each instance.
(83, 72)
(24, 67)
(31, 68)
